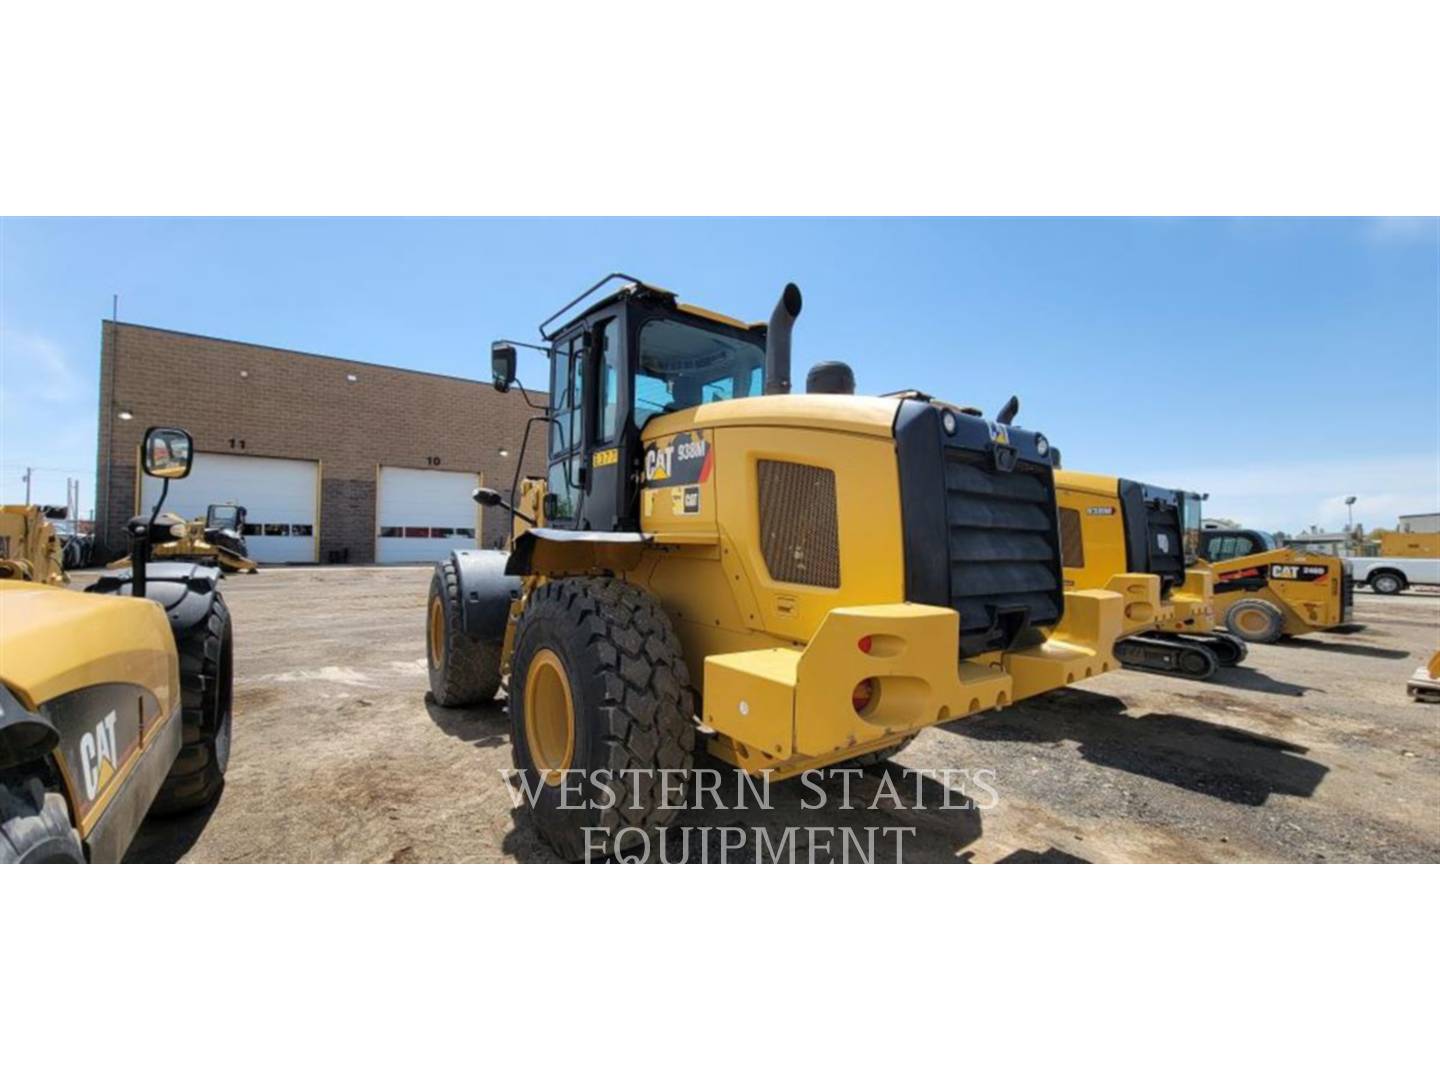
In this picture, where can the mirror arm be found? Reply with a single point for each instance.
(520, 458)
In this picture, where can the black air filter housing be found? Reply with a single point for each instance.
(830, 377)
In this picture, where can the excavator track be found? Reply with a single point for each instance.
(1228, 649)
(1165, 655)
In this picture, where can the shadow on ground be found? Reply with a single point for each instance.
(1212, 759)
(1345, 647)
(1246, 678)
(167, 839)
(480, 725)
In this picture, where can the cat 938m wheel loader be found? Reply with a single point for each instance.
(799, 579)
(1110, 526)
(112, 705)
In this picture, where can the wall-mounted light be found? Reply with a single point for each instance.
(126, 414)
(244, 374)
(351, 378)
(504, 453)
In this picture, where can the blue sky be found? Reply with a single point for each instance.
(1279, 364)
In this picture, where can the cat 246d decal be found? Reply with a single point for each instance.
(686, 458)
(1254, 577)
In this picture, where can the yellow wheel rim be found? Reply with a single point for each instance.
(436, 632)
(1252, 621)
(549, 716)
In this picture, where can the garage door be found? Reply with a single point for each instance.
(421, 514)
(278, 495)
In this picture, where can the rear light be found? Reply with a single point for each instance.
(863, 695)
(866, 643)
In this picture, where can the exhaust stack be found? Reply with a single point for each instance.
(777, 341)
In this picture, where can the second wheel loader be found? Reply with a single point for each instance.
(797, 579)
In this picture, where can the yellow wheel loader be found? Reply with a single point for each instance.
(1264, 592)
(113, 702)
(1111, 527)
(798, 579)
(217, 539)
(29, 548)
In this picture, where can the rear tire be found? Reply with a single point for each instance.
(1387, 583)
(35, 826)
(604, 652)
(1256, 621)
(463, 671)
(207, 682)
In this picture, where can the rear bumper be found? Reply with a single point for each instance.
(789, 709)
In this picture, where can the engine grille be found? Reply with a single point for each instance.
(1003, 549)
(799, 532)
(1072, 539)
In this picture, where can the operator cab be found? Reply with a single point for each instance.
(635, 354)
(226, 517)
(1218, 545)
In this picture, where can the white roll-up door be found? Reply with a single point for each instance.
(420, 514)
(278, 495)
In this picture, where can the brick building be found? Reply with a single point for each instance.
(336, 460)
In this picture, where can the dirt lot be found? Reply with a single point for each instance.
(1309, 753)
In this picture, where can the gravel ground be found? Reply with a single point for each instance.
(1310, 753)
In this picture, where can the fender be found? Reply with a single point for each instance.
(486, 592)
(185, 590)
(549, 551)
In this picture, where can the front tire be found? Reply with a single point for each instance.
(1256, 621)
(462, 671)
(207, 685)
(1387, 583)
(35, 826)
(602, 715)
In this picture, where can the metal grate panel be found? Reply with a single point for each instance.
(1003, 549)
(799, 531)
(1072, 539)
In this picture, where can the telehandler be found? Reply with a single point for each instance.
(1111, 526)
(114, 701)
(800, 579)
(217, 539)
(1264, 592)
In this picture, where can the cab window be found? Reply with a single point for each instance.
(681, 366)
(609, 383)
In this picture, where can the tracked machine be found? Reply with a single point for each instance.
(796, 579)
(1109, 527)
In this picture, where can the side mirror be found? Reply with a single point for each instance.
(502, 365)
(550, 505)
(168, 453)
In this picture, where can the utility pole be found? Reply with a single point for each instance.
(28, 471)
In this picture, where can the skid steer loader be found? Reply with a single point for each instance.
(1264, 592)
(798, 579)
(114, 701)
(1111, 526)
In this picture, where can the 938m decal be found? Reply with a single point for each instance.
(686, 458)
